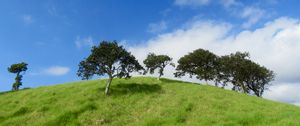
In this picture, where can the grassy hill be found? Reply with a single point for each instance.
(140, 101)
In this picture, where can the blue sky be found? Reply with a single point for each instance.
(53, 36)
(43, 33)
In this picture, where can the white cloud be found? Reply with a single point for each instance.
(82, 42)
(27, 19)
(192, 2)
(198, 3)
(229, 3)
(56, 70)
(276, 45)
(286, 93)
(51, 71)
(157, 27)
(252, 14)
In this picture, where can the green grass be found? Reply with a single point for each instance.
(141, 101)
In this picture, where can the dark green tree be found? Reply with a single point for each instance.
(230, 70)
(257, 78)
(200, 63)
(153, 62)
(245, 75)
(108, 58)
(18, 69)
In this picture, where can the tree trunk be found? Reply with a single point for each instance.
(257, 94)
(158, 78)
(161, 72)
(234, 88)
(15, 85)
(244, 88)
(216, 84)
(108, 85)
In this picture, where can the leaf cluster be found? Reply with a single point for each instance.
(108, 58)
(200, 63)
(153, 62)
(236, 69)
(18, 68)
(245, 75)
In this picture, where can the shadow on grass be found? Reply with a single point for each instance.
(5, 92)
(132, 88)
(170, 81)
(164, 80)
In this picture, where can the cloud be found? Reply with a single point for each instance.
(51, 71)
(286, 93)
(52, 10)
(252, 14)
(192, 2)
(83, 42)
(249, 13)
(56, 70)
(157, 27)
(275, 45)
(229, 3)
(271, 1)
(27, 19)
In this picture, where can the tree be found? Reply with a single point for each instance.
(230, 70)
(111, 59)
(18, 69)
(200, 63)
(257, 78)
(159, 62)
(245, 75)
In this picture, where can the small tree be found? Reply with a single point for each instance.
(111, 59)
(200, 63)
(159, 62)
(18, 69)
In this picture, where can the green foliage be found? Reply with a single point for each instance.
(141, 101)
(17, 69)
(200, 63)
(230, 69)
(236, 69)
(244, 74)
(153, 62)
(111, 59)
(259, 78)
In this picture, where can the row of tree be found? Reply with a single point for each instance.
(108, 58)
(236, 69)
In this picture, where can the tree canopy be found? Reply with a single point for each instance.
(229, 69)
(200, 63)
(153, 62)
(245, 75)
(236, 69)
(17, 69)
(108, 58)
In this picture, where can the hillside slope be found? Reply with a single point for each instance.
(140, 101)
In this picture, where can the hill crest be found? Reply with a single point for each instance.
(140, 101)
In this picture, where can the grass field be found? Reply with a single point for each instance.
(141, 101)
